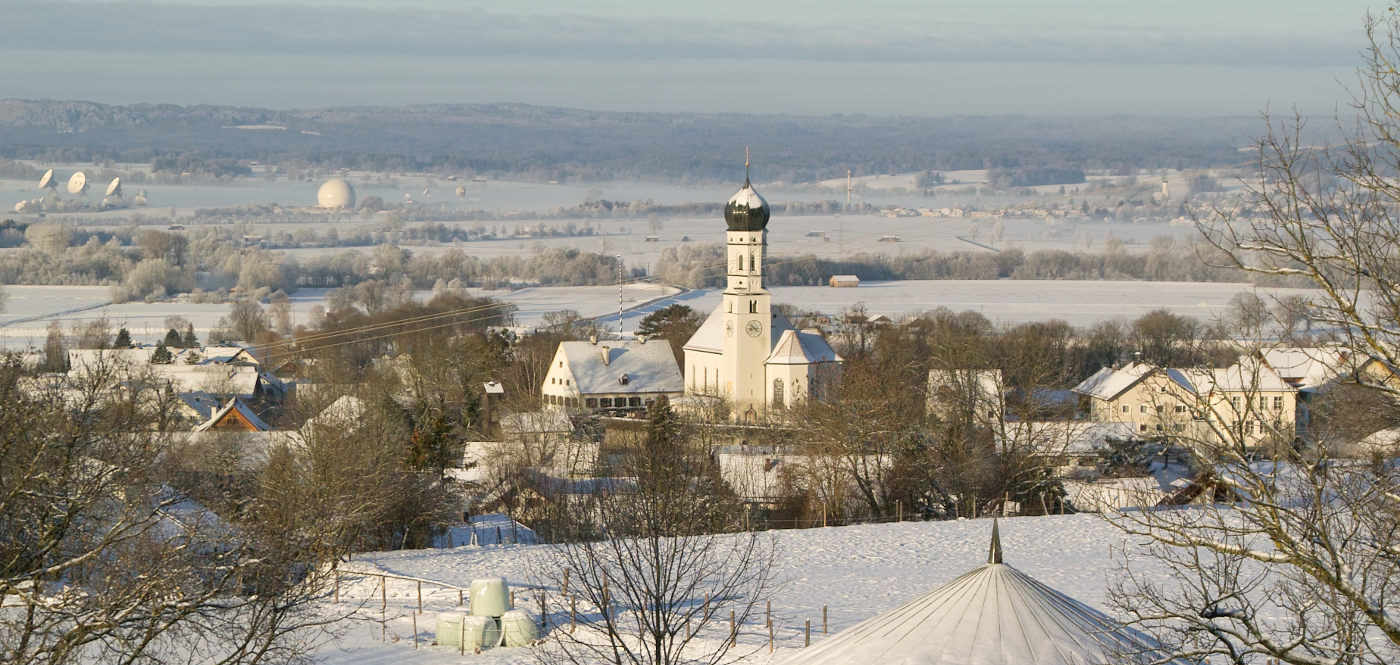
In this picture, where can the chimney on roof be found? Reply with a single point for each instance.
(593, 339)
(606, 360)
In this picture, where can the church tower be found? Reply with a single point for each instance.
(747, 307)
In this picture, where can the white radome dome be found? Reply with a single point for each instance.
(336, 193)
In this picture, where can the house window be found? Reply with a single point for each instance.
(1159, 408)
(624, 379)
(1142, 427)
(1161, 389)
(1263, 403)
(561, 363)
(1180, 408)
(1248, 427)
(1125, 408)
(1278, 402)
(634, 401)
(592, 402)
(605, 402)
(777, 391)
(1235, 403)
(1142, 408)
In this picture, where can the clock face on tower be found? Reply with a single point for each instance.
(754, 329)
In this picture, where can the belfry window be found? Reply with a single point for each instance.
(777, 391)
(753, 306)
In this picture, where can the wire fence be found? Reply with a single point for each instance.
(403, 608)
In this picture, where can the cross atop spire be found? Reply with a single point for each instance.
(746, 166)
(994, 553)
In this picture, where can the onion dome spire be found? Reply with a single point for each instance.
(746, 210)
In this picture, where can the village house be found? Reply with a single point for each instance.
(611, 375)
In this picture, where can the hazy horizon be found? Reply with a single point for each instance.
(885, 58)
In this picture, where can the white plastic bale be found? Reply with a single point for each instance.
(520, 628)
(490, 596)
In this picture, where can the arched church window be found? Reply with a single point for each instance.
(753, 264)
(777, 392)
(753, 306)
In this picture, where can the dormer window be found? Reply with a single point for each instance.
(624, 379)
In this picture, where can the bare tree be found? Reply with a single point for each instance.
(103, 559)
(672, 561)
(1301, 565)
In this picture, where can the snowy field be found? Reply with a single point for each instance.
(856, 571)
(838, 236)
(31, 309)
(1080, 303)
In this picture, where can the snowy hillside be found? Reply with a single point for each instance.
(857, 571)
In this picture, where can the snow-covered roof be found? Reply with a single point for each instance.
(615, 366)
(1309, 368)
(802, 348)
(234, 405)
(1115, 493)
(710, 335)
(1072, 436)
(200, 403)
(1108, 382)
(1247, 375)
(991, 615)
(548, 421)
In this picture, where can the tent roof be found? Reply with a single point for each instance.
(991, 615)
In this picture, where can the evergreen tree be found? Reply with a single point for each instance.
(189, 341)
(123, 339)
(161, 356)
(172, 339)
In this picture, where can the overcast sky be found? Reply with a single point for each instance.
(885, 57)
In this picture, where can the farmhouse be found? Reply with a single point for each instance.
(844, 281)
(614, 375)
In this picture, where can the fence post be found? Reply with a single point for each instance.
(462, 639)
(512, 599)
(420, 597)
(383, 592)
(573, 612)
(807, 632)
(565, 590)
(823, 619)
(899, 510)
(459, 598)
(823, 514)
(768, 613)
(415, 631)
(337, 586)
(544, 618)
(733, 632)
(770, 638)
(498, 535)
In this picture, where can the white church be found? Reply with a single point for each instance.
(746, 352)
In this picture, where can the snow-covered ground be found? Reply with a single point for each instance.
(1081, 303)
(855, 571)
(31, 309)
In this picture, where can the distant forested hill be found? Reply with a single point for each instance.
(546, 143)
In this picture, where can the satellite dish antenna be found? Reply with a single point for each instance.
(77, 184)
(47, 181)
(115, 188)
